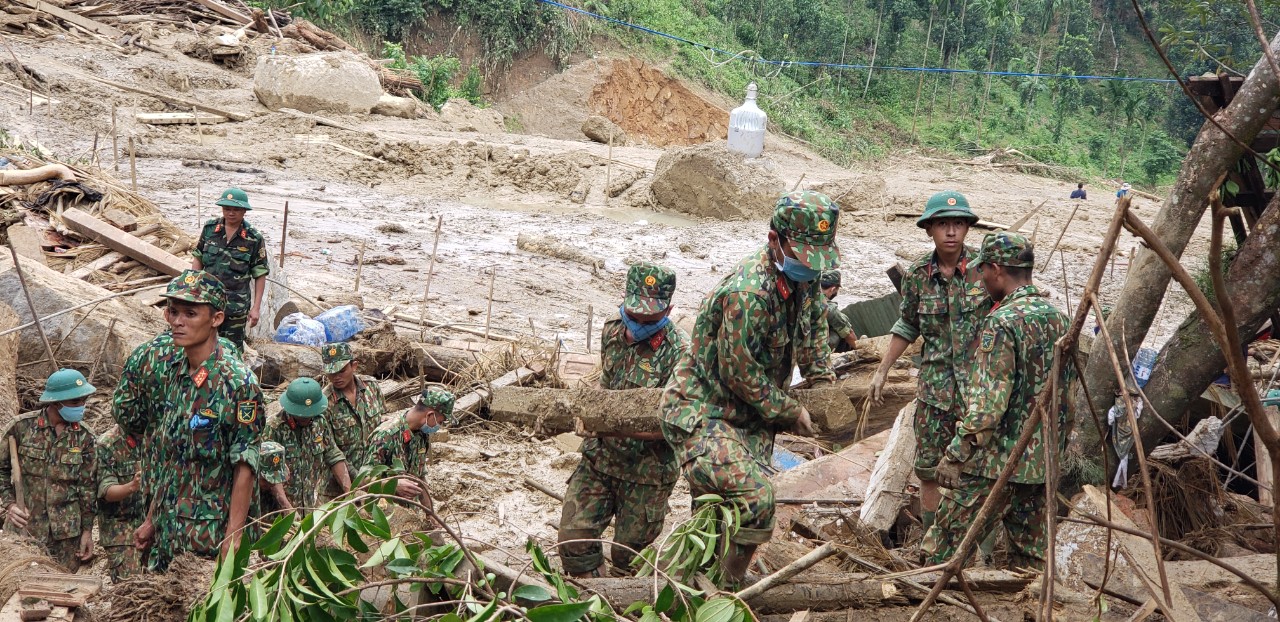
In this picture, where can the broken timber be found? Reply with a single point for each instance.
(67, 16)
(886, 492)
(155, 258)
(817, 592)
(177, 118)
(8, 366)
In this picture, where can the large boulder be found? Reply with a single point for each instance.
(392, 106)
(464, 116)
(710, 181)
(327, 81)
(79, 336)
(603, 131)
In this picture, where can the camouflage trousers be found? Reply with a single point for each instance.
(1022, 513)
(123, 561)
(176, 535)
(934, 428)
(64, 552)
(720, 465)
(233, 328)
(592, 500)
(115, 534)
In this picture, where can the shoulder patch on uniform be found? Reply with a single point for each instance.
(247, 411)
(988, 340)
(646, 365)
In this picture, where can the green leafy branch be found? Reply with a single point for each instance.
(698, 544)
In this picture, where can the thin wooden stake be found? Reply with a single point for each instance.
(115, 140)
(284, 232)
(22, 280)
(1059, 240)
(1066, 288)
(93, 159)
(102, 351)
(195, 112)
(199, 208)
(431, 270)
(590, 316)
(133, 166)
(608, 171)
(488, 314)
(359, 266)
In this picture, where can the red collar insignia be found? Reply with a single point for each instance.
(656, 341)
(201, 376)
(406, 435)
(783, 289)
(130, 441)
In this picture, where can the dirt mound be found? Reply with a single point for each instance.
(857, 194)
(21, 554)
(160, 597)
(646, 102)
(463, 116)
(711, 181)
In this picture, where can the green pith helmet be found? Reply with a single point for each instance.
(808, 220)
(946, 204)
(199, 287)
(649, 288)
(271, 464)
(829, 278)
(233, 197)
(65, 384)
(439, 399)
(1007, 249)
(335, 357)
(303, 399)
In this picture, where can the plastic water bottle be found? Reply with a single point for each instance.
(746, 126)
(341, 323)
(297, 328)
(1142, 364)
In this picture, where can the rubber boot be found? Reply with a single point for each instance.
(987, 547)
(736, 561)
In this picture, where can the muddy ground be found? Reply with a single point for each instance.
(491, 187)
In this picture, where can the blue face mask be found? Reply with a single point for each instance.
(71, 414)
(428, 430)
(796, 271)
(639, 330)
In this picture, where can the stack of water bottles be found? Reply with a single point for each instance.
(336, 324)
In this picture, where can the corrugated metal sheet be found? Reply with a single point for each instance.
(873, 318)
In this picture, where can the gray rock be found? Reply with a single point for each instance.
(328, 81)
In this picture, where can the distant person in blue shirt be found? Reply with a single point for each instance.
(1124, 189)
(1079, 193)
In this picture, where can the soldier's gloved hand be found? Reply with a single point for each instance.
(86, 547)
(17, 516)
(580, 429)
(804, 423)
(948, 473)
(877, 386)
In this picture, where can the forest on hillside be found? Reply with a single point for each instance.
(1133, 130)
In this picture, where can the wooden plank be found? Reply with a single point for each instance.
(225, 11)
(319, 120)
(121, 220)
(177, 118)
(887, 489)
(115, 239)
(30, 96)
(101, 263)
(1266, 492)
(88, 24)
(27, 242)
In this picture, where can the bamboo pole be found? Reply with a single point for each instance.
(786, 572)
(284, 232)
(199, 208)
(488, 314)
(590, 316)
(359, 266)
(133, 167)
(22, 280)
(1045, 265)
(115, 140)
(431, 270)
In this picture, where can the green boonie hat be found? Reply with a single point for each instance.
(649, 288)
(65, 384)
(335, 356)
(830, 278)
(808, 220)
(233, 197)
(304, 399)
(946, 204)
(271, 464)
(439, 399)
(1004, 248)
(199, 287)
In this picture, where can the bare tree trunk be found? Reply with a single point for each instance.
(928, 41)
(942, 55)
(1210, 156)
(1191, 360)
(875, 46)
(951, 94)
(982, 112)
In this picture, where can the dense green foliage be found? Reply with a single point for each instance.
(1133, 130)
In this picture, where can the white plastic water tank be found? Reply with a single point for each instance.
(746, 126)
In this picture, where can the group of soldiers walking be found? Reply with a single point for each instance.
(194, 457)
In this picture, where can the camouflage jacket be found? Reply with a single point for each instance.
(309, 451)
(393, 444)
(57, 476)
(647, 364)
(946, 312)
(1012, 363)
(352, 424)
(196, 428)
(838, 326)
(751, 330)
(236, 262)
(119, 459)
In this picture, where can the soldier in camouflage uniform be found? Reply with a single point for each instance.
(627, 478)
(55, 453)
(198, 409)
(232, 250)
(840, 335)
(356, 407)
(308, 443)
(121, 506)
(942, 301)
(273, 474)
(1012, 365)
(403, 442)
(728, 398)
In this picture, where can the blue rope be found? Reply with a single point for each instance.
(785, 63)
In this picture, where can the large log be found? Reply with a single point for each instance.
(886, 492)
(816, 593)
(1211, 156)
(152, 256)
(834, 408)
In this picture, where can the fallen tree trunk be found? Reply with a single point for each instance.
(816, 593)
(1191, 360)
(33, 175)
(833, 408)
(551, 247)
(1212, 155)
